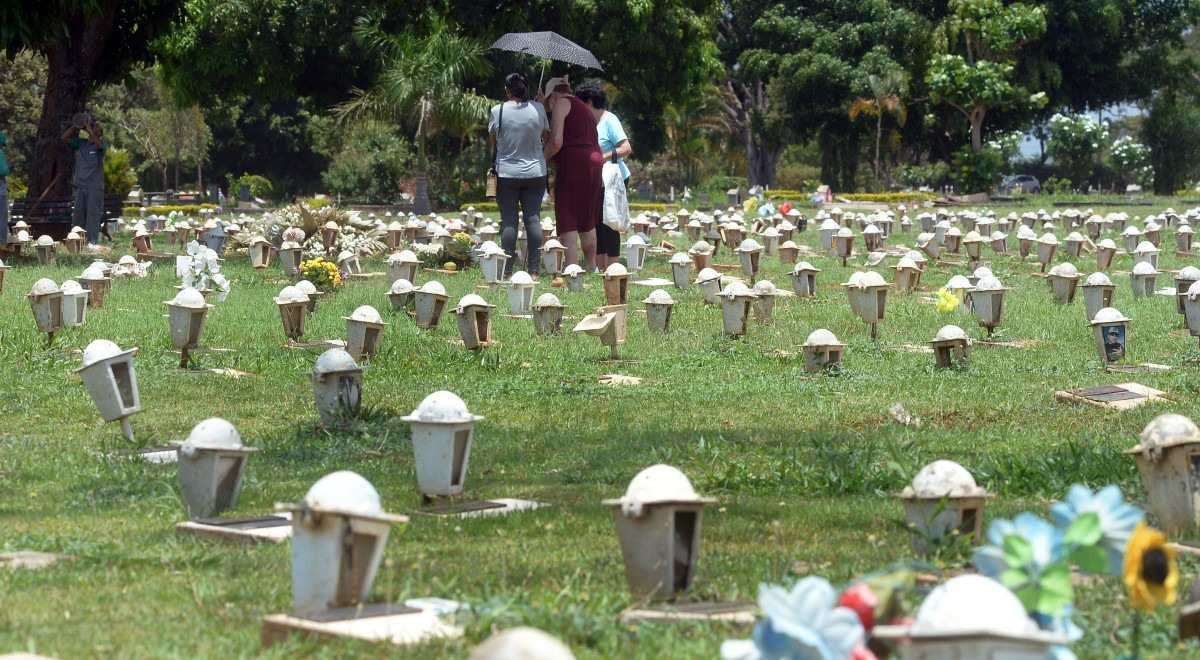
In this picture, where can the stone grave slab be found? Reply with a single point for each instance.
(1124, 396)
(263, 529)
(741, 613)
(1143, 368)
(478, 508)
(653, 282)
(384, 623)
(29, 559)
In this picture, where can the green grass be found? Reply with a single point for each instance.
(804, 464)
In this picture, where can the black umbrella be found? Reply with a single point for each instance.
(550, 46)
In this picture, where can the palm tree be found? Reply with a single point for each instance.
(421, 85)
(886, 90)
(695, 128)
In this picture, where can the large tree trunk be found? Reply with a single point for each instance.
(71, 61)
(762, 151)
(761, 159)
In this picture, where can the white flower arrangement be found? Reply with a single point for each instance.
(204, 271)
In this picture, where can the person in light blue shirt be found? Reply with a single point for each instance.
(614, 143)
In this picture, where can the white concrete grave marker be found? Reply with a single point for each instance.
(111, 381)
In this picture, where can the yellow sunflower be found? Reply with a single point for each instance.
(946, 301)
(1150, 573)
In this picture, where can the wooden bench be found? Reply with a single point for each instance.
(54, 216)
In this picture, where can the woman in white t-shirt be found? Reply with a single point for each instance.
(519, 128)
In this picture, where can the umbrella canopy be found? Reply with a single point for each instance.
(548, 45)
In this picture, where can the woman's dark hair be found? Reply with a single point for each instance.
(592, 91)
(515, 84)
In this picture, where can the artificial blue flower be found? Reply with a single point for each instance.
(1063, 625)
(1044, 539)
(800, 624)
(1118, 518)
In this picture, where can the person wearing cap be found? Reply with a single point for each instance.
(574, 146)
(3, 191)
(520, 127)
(615, 146)
(89, 174)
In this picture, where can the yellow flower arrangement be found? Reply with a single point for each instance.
(947, 302)
(323, 273)
(1150, 573)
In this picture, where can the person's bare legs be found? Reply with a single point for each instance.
(587, 240)
(570, 240)
(602, 261)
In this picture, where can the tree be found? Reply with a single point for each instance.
(366, 167)
(1172, 131)
(79, 40)
(886, 90)
(1075, 143)
(22, 83)
(694, 129)
(974, 70)
(421, 85)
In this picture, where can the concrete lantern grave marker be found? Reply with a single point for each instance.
(972, 244)
(403, 266)
(214, 235)
(952, 239)
(394, 234)
(709, 282)
(1074, 244)
(493, 262)
(822, 349)
(1143, 279)
(971, 616)
(999, 242)
(574, 274)
(804, 279)
(606, 324)
(1168, 458)
(681, 270)
(749, 255)
(1191, 309)
(951, 347)
(293, 310)
(658, 523)
(658, 310)
(1094, 226)
(731, 233)
(1131, 237)
(547, 315)
(907, 275)
(340, 531)
(73, 243)
(867, 292)
(1153, 233)
(329, 235)
(400, 294)
(770, 237)
(736, 300)
(109, 377)
(844, 244)
(45, 249)
(1098, 293)
(1106, 249)
(942, 500)
(789, 252)
(694, 230)
(764, 304)
(364, 327)
(74, 304)
(987, 302)
(1047, 245)
(260, 252)
(872, 238)
(443, 431)
(616, 284)
(474, 321)
(1184, 279)
(1064, 280)
(701, 254)
(828, 231)
(1025, 241)
(337, 386)
(348, 263)
(185, 315)
(309, 290)
(429, 302)
(554, 256)
(520, 293)
(1183, 239)
(635, 253)
(211, 463)
(1145, 253)
(97, 284)
(46, 301)
(929, 246)
(290, 256)
(1110, 330)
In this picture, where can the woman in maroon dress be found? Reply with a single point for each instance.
(574, 149)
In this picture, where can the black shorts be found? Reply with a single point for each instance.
(608, 240)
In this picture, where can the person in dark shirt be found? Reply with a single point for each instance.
(89, 174)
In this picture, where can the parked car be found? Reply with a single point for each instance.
(1020, 184)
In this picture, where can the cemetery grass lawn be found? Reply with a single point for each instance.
(804, 465)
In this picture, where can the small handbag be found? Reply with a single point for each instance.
(492, 177)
